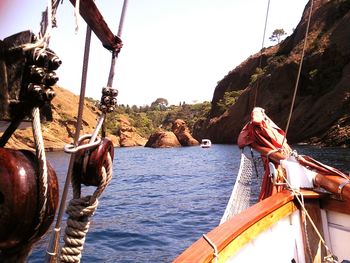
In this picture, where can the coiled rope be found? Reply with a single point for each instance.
(79, 211)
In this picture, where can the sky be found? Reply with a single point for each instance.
(177, 50)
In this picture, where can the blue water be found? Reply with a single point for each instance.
(162, 200)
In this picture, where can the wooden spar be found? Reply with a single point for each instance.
(223, 235)
(334, 184)
(94, 19)
(331, 179)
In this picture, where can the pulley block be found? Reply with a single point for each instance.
(88, 163)
(27, 77)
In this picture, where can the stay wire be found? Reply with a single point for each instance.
(53, 245)
(114, 58)
(262, 46)
(299, 72)
(115, 53)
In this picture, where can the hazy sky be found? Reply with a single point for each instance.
(175, 49)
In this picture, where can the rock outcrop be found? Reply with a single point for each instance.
(183, 134)
(322, 107)
(162, 139)
(180, 136)
(128, 136)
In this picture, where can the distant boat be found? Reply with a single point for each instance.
(206, 143)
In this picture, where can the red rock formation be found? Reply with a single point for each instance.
(180, 136)
(183, 134)
(321, 112)
(162, 139)
(128, 136)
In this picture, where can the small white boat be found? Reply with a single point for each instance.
(206, 143)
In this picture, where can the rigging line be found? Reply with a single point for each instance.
(45, 30)
(300, 198)
(299, 72)
(52, 255)
(77, 15)
(262, 46)
(115, 53)
(114, 59)
(53, 244)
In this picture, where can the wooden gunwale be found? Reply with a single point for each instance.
(96, 22)
(335, 205)
(223, 235)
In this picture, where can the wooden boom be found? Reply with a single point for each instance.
(94, 19)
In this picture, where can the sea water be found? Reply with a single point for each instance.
(161, 200)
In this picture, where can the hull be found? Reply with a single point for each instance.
(277, 224)
(206, 143)
(285, 225)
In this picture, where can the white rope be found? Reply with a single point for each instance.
(211, 243)
(330, 257)
(79, 211)
(41, 156)
(43, 40)
(77, 15)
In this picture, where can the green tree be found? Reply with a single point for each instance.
(159, 104)
(147, 120)
(230, 98)
(258, 72)
(277, 34)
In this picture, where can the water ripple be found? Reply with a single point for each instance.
(159, 201)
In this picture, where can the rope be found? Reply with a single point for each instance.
(48, 20)
(262, 46)
(74, 254)
(79, 211)
(211, 243)
(46, 28)
(42, 171)
(115, 53)
(41, 156)
(77, 15)
(299, 72)
(330, 257)
(78, 125)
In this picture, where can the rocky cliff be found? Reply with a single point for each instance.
(322, 107)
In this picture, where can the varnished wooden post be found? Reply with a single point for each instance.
(20, 204)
